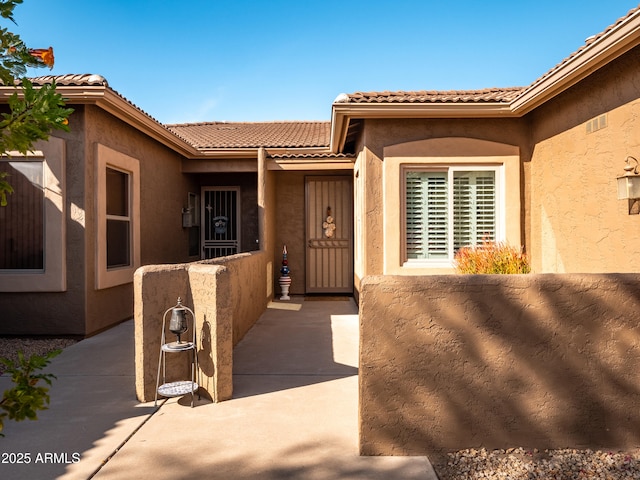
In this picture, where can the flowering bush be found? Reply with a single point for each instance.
(491, 258)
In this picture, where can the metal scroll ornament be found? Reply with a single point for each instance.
(329, 225)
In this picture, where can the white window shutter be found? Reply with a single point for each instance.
(427, 215)
(474, 206)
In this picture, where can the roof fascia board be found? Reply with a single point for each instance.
(219, 165)
(117, 106)
(301, 164)
(253, 152)
(423, 110)
(343, 112)
(612, 44)
(109, 101)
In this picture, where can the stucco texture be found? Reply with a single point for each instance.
(380, 135)
(163, 194)
(82, 309)
(539, 361)
(577, 222)
(227, 295)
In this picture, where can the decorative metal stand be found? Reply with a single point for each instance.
(285, 279)
(178, 324)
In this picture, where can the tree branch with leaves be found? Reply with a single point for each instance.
(33, 113)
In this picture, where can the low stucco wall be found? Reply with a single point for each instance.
(227, 295)
(538, 361)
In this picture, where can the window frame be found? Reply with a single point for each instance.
(124, 218)
(107, 277)
(53, 278)
(430, 152)
(449, 170)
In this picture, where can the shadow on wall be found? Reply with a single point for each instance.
(537, 361)
(205, 358)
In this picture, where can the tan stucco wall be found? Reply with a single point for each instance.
(537, 361)
(408, 136)
(227, 295)
(290, 229)
(59, 313)
(577, 222)
(163, 194)
(83, 309)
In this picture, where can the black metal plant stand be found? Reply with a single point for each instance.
(178, 325)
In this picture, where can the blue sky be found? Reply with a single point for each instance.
(240, 60)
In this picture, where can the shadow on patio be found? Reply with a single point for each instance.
(297, 343)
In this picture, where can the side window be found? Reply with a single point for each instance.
(23, 218)
(446, 209)
(33, 224)
(118, 217)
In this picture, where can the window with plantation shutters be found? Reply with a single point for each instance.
(474, 208)
(447, 210)
(427, 215)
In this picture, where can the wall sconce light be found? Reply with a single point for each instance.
(629, 185)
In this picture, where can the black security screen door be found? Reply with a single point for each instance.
(220, 221)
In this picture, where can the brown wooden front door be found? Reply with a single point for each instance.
(329, 234)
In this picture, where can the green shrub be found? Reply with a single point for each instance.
(26, 397)
(491, 258)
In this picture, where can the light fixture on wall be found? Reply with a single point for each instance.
(629, 185)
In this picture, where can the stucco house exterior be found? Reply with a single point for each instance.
(402, 179)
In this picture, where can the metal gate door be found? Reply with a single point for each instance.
(220, 221)
(329, 234)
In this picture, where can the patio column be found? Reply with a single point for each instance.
(262, 193)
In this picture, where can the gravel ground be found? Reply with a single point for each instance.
(518, 463)
(10, 346)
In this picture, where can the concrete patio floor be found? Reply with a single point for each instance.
(293, 412)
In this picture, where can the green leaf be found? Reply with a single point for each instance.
(26, 398)
(6, 8)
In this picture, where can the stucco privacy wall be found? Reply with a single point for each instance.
(539, 361)
(227, 295)
(581, 141)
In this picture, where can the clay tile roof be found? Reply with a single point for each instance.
(254, 135)
(71, 80)
(501, 95)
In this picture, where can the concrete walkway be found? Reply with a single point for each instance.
(293, 415)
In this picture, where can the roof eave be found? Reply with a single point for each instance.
(612, 44)
(252, 152)
(342, 112)
(105, 98)
(117, 106)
